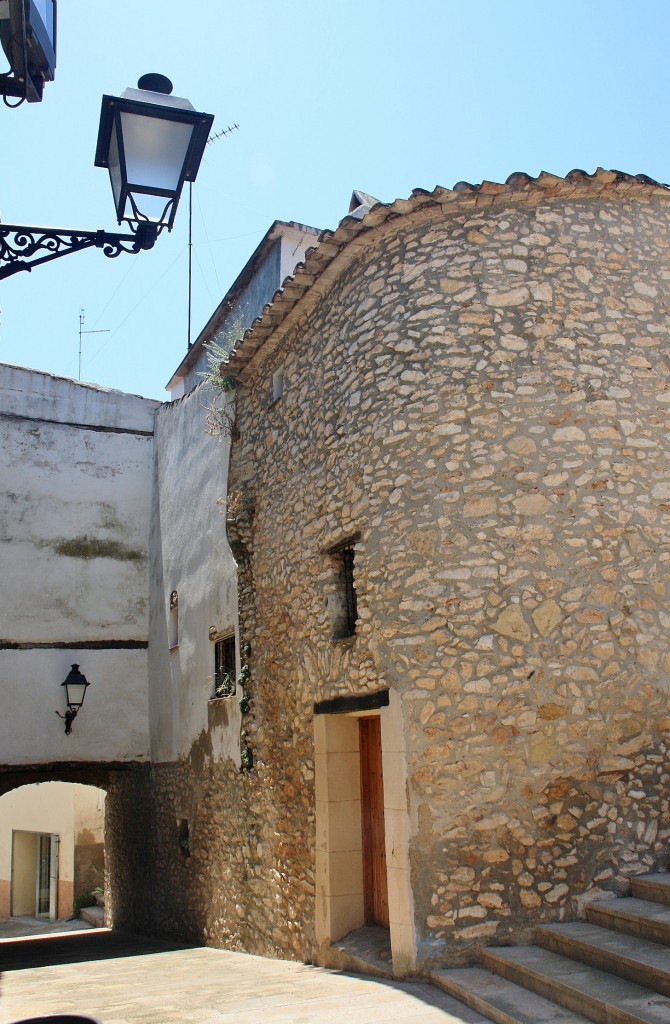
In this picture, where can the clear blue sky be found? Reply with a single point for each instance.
(330, 95)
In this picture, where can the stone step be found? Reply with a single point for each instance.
(632, 916)
(94, 916)
(627, 956)
(652, 887)
(500, 1000)
(602, 997)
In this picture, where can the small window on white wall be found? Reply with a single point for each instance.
(224, 666)
(173, 625)
(277, 384)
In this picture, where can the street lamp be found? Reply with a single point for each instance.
(152, 143)
(75, 690)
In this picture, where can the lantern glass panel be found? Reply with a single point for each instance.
(155, 151)
(115, 169)
(75, 694)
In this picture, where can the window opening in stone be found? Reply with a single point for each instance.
(344, 605)
(184, 838)
(349, 590)
(224, 666)
(277, 384)
(173, 625)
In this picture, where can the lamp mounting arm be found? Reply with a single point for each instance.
(68, 718)
(21, 246)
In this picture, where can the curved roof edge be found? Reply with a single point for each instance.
(271, 235)
(464, 194)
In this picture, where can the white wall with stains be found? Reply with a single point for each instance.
(75, 496)
(190, 555)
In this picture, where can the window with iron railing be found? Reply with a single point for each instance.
(342, 597)
(224, 666)
(348, 590)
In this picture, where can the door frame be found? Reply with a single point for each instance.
(339, 904)
(52, 865)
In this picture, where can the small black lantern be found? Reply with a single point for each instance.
(152, 143)
(75, 690)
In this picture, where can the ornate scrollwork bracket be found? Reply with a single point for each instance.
(22, 248)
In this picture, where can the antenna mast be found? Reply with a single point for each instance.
(82, 331)
(228, 130)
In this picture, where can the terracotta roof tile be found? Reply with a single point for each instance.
(518, 187)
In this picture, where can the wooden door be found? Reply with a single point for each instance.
(375, 885)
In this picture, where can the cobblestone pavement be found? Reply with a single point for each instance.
(127, 980)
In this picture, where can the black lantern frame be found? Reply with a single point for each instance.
(111, 143)
(75, 685)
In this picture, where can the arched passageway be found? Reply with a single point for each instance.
(59, 844)
(51, 849)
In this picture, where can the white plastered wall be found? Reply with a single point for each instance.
(74, 521)
(190, 555)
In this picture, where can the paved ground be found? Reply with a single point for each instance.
(18, 926)
(128, 980)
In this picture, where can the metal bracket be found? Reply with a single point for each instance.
(20, 246)
(68, 718)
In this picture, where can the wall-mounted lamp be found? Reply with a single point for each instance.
(75, 690)
(152, 143)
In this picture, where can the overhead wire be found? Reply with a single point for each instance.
(208, 242)
(130, 312)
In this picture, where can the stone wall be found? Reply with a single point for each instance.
(479, 397)
(197, 848)
(196, 855)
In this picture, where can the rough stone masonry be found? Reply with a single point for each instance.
(476, 395)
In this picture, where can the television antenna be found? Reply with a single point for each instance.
(215, 137)
(82, 331)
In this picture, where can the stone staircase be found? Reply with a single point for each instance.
(95, 916)
(613, 968)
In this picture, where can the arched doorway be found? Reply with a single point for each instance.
(51, 849)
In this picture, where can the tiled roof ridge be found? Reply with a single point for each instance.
(331, 242)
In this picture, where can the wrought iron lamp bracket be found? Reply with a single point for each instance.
(22, 248)
(68, 718)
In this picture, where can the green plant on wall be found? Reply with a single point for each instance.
(243, 679)
(85, 899)
(246, 754)
(221, 418)
(224, 685)
(238, 505)
(217, 358)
